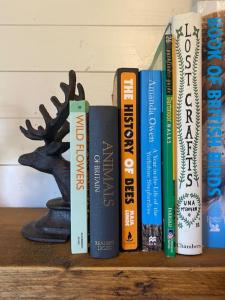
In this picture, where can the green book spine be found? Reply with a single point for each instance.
(167, 150)
(163, 60)
(78, 176)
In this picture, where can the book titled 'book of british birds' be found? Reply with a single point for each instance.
(213, 123)
(186, 30)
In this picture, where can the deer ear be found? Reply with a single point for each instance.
(56, 148)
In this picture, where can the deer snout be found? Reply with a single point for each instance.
(39, 160)
(24, 160)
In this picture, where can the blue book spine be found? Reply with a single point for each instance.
(213, 109)
(150, 158)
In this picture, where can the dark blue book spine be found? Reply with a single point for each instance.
(150, 144)
(104, 181)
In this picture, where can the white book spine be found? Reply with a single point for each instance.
(187, 66)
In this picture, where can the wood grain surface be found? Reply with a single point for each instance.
(31, 270)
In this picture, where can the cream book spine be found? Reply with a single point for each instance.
(187, 64)
(78, 176)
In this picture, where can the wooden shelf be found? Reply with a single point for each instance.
(31, 270)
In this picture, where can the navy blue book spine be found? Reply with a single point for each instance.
(103, 181)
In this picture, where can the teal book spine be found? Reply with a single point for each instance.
(78, 175)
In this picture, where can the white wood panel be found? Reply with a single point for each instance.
(40, 42)
(13, 143)
(87, 12)
(22, 93)
(80, 48)
(25, 187)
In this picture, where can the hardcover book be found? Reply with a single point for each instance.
(103, 181)
(213, 87)
(186, 29)
(78, 176)
(163, 60)
(150, 159)
(125, 97)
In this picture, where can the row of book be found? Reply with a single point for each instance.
(191, 56)
(107, 152)
(136, 166)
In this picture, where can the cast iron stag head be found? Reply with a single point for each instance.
(48, 158)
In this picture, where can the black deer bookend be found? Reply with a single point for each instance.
(54, 227)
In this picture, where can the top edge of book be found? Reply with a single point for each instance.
(208, 7)
(102, 107)
(151, 74)
(160, 47)
(79, 106)
(156, 72)
(185, 16)
(121, 70)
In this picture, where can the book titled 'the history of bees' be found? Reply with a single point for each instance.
(78, 176)
(125, 97)
(213, 92)
(150, 159)
(187, 64)
(103, 181)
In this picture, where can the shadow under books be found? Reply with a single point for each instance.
(54, 227)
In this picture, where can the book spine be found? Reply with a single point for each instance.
(186, 30)
(167, 151)
(213, 129)
(78, 169)
(103, 181)
(150, 143)
(128, 109)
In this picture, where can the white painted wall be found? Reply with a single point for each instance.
(40, 40)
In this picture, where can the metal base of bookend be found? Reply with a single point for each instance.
(54, 227)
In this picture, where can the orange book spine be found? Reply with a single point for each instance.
(127, 101)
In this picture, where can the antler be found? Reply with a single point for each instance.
(56, 128)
